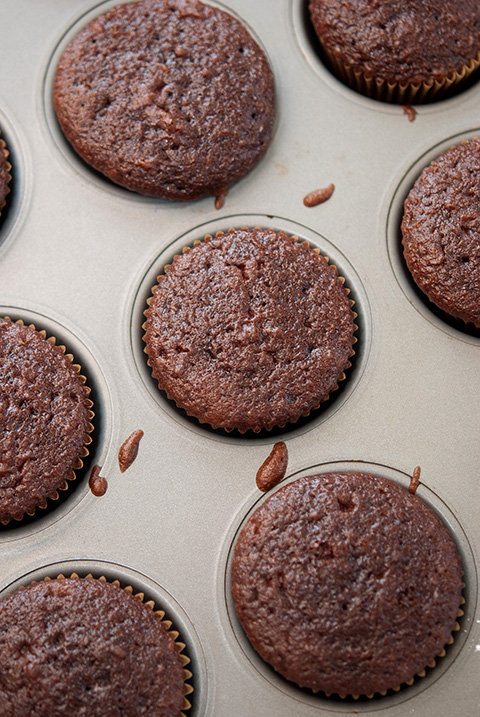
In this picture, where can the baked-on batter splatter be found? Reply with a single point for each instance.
(128, 450)
(273, 469)
(97, 483)
(318, 196)
(220, 200)
(414, 481)
(410, 112)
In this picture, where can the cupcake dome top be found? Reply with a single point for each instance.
(75, 646)
(249, 329)
(346, 583)
(414, 42)
(441, 232)
(169, 98)
(4, 172)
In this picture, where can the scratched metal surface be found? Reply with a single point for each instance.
(78, 257)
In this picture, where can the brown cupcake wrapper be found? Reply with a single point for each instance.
(408, 683)
(6, 154)
(54, 495)
(160, 614)
(396, 92)
(466, 327)
(342, 377)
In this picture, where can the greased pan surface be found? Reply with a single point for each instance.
(78, 257)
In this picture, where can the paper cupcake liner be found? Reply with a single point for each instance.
(396, 92)
(8, 167)
(54, 495)
(314, 408)
(466, 327)
(160, 615)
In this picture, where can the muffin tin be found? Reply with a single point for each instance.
(78, 257)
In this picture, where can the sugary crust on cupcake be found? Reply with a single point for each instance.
(169, 98)
(441, 232)
(45, 419)
(249, 329)
(85, 646)
(346, 583)
(5, 176)
(415, 42)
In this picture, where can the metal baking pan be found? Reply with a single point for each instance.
(78, 257)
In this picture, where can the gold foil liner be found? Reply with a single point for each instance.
(396, 92)
(159, 614)
(6, 154)
(341, 378)
(54, 495)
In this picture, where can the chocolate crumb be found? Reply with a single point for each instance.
(128, 450)
(273, 469)
(97, 483)
(345, 501)
(414, 481)
(410, 112)
(318, 196)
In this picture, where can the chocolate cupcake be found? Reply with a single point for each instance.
(45, 419)
(441, 232)
(250, 329)
(74, 646)
(399, 52)
(346, 583)
(169, 98)
(5, 176)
